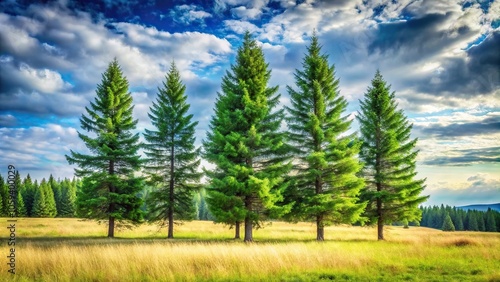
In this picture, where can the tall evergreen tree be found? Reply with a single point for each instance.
(458, 222)
(491, 225)
(4, 195)
(67, 206)
(448, 224)
(56, 190)
(472, 221)
(21, 209)
(326, 187)
(44, 204)
(172, 159)
(28, 194)
(389, 157)
(109, 189)
(246, 145)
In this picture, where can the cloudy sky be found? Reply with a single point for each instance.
(441, 57)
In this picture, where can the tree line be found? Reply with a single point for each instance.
(49, 198)
(455, 219)
(58, 198)
(297, 163)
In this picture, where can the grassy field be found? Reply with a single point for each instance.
(74, 250)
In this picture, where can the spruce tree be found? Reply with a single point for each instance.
(172, 159)
(448, 224)
(68, 199)
(28, 194)
(472, 221)
(109, 188)
(4, 197)
(44, 204)
(388, 154)
(459, 225)
(245, 144)
(56, 190)
(21, 209)
(491, 225)
(325, 183)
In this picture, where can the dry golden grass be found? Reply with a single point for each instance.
(70, 250)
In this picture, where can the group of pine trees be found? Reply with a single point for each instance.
(455, 219)
(49, 198)
(312, 169)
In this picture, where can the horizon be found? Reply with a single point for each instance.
(440, 58)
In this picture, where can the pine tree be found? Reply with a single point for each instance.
(56, 190)
(325, 182)
(109, 188)
(4, 192)
(472, 221)
(246, 145)
(172, 159)
(491, 225)
(21, 209)
(28, 194)
(44, 204)
(480, 221)
(68, 199)
(389, 158)
(458, 222)
(448, 224)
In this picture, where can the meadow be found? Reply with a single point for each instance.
(75, 250)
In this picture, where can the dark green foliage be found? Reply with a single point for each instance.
(172, 159)
(245, 144)
(28, 194)
(325, 186)
(56, 190)
(461, 219)
(67, 206)
(389, 158)
(448, 224)
(472, 221)
(4, 197)
(21, 209)
(490, 221)
(109, 188)
(44, 204)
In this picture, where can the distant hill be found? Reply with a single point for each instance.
(483, 207)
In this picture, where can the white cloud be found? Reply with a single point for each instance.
(36, 150)
(188, 14)
(240, 27)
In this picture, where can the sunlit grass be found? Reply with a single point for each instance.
(73, 250)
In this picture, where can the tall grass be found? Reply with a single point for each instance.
(283, 252)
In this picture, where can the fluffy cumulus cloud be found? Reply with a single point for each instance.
(55, 56)
(188, 14)
(36, 150)
(242, 9)
(478, 188)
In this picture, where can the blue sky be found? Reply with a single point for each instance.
(442, 59)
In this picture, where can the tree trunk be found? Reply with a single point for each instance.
(248, 220)
(237, 230)
(111, 223)
(380, 222)
(320, 230)
(248, 230)
(111, 227)
(171, 195)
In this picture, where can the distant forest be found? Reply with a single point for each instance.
(451, 218)
(57, 198)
